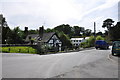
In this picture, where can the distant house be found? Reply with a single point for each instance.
(49, 39)
(76, 41)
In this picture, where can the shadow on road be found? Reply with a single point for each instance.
(117, 56)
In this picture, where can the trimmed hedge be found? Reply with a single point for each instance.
(18, 49)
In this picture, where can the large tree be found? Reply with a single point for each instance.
(65, 28)
(87, 32)
(16, 36)
(5, 29)
(108, 23)
(115, 32)
(78, 30)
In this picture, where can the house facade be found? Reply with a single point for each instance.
(76, 41)
(50, 39)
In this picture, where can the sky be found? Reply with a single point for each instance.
(51, 13)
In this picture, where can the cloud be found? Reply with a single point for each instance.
(34, 13)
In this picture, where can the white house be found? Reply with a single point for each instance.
(77, 41)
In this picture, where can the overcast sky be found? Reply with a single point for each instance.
(51, 13)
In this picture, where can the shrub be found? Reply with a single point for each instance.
(99, 38)
(88, 43)
(19, 49)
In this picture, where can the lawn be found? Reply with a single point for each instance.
(18, 49)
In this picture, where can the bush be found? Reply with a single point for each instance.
(88, 43)
(99, 38)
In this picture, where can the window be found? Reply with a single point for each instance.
(76, 44)
(79, 40)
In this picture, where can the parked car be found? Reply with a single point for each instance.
(116, 47)
(101, 44)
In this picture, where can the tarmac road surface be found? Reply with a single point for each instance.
(83, 64)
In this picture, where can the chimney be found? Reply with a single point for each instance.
(26, 28)
(41, 31)
(25, 32)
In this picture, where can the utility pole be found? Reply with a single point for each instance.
(94, 29)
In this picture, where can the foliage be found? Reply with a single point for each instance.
(85, 44)
(77, 30)
(107, 23)
(87, 32)
(91, 41)
(16, 36)
(88, 43)
(99, 33)
(6, 33)
(49, 30)
(115, 32)
(65, 28)
(33, 31)
(20, 49)
(65, 40)
(99, 38)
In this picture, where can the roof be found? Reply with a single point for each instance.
(76, 38)
(79, 38)
(46, 37)
(87, 37)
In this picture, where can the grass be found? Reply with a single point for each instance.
(18, 49)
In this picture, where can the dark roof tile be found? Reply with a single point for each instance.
(45, 38)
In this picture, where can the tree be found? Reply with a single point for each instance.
(16, 36)
(87, 32)
(115, 31)
(77, 30)
(65, 40)
(6, 32)
(106, 32)
(5, 29)
(65, 28)
(108, 23)
(32, 31)
(49, 30)
(99, 33)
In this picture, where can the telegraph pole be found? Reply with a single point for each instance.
(94, 29)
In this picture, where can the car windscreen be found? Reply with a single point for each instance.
(117, 44)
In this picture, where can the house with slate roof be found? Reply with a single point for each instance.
(50, 39)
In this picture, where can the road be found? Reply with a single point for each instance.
(83, 64)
